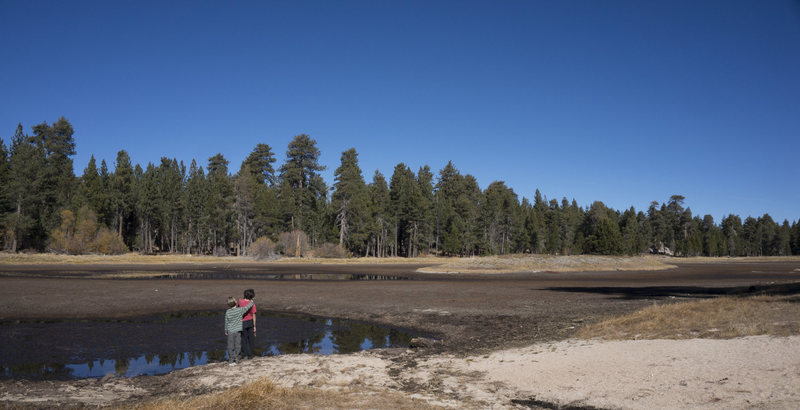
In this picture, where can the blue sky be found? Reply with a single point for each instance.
(617, 101)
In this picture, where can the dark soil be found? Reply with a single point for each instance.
(469, 313)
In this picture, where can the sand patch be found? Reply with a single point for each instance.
(757, 371)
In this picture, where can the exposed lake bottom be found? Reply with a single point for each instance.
(75, 349)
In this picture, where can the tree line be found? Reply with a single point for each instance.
(208, 209)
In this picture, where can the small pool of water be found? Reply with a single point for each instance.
(272, 276)
(154, 345)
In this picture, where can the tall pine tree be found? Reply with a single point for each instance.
(349, 201)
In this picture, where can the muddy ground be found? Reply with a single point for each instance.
(469, 314)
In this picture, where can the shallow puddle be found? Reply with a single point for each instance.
(269, 276)
(153, 345)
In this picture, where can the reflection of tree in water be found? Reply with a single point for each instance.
(377, 335)
(168, 359)
(350, 337)
(216, 356)
(303, 346)
(121, 365)
(54, 370)
(195, 357)
(346, 340)
(149, 357)
(397, 338)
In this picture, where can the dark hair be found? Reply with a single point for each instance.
(249, 294)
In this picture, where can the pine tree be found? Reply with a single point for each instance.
(751, 238)
(349, 202)
(194, 210)
(25, 190)
(633, 240)
(536, 224)
(58, 179)
(302, 189)
(380, 223)
(92, 187)
(783, 240)
(244, 185)
(262, 202)
(424, 240)
(553, 222)
(767, 231)
(499, 216)
(5, 199)
(732, 231)
(601, 231)
(713, 238)
(259, 163)
(147, 201)
(467, 206)
(795, 238)
(123, 199)
(170, 183)
(218, 207)
(448, 227)
(407, 206)
(105, 214)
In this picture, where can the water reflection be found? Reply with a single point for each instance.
(204, 275)
(158, 345)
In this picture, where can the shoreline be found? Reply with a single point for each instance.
(755, 371)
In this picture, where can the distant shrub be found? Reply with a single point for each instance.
(220, 251)
(77, 236)
(293, 243)
(262, 248)
(331, 250)
(108, 242)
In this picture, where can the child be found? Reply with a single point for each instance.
(248, 325)
(233, 329)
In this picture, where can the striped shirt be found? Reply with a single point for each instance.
(233, 318)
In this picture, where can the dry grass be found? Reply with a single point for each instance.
(128, 258)
(135, 258)
(486, 264)
(749, 259)
(264, 394)
(550, 263)
(720, 318)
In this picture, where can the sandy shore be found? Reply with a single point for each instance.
(698, 373)
(761, 371)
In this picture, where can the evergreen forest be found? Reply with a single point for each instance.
(213, 208)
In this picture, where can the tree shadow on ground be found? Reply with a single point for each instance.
(651, 292)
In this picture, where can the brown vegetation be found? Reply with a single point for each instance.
(719, 318)
(262, 248)
(293, 243)
(81, 235)
(263, 394)
(330, 251)
(550, 263)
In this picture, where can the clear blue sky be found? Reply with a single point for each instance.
(622, 102)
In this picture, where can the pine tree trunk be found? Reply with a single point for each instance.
(341, 227)
(119, 219)
(16, 227)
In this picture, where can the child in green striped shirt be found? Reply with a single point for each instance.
(233, 328)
